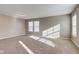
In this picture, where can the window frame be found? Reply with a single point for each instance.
(34, 27)
(30, 26)
(74, 26)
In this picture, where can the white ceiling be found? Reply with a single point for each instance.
(28, 11)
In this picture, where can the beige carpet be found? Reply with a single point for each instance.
(59, 46)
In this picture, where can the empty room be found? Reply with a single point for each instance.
(39, 29)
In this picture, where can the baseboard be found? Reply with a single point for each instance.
(11, 36)
(57, 38)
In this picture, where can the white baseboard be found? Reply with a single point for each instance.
(11, 36)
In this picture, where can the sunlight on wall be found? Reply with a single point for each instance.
(53, 32)
(26, 48)
(43, 40)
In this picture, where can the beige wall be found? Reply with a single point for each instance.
(11, 27)
(45, 23)
(76, 39)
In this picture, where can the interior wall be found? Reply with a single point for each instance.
(11, 27)
(76, 39)
(47, 22)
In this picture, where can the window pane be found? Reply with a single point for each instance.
(74, 31)
(36, 28)
(30, 26)
(30, 29)
(74, 20)
(74, 26)
(36, 23)
(31, 23)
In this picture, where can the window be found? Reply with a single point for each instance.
(74, 25)
(30, 26)
(36, 26)
(33, 26)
